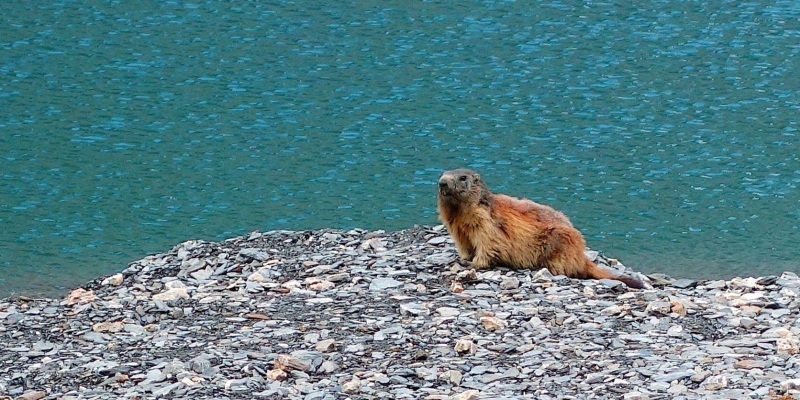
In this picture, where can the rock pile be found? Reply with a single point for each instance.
(328, 315)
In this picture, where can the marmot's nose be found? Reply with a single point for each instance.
(442, 185)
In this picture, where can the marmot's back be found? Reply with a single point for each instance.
(533, 210)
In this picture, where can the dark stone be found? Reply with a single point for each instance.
(767, 280)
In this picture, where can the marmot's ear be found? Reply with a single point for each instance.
(476, 177)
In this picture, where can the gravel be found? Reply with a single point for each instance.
(393, 315)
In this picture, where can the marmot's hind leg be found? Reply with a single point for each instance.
(568, 258)
(562, 252)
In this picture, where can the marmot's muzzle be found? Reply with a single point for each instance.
(445, 187)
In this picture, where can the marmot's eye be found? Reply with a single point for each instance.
(463, 178)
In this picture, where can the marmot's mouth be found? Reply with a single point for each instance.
(445, 188)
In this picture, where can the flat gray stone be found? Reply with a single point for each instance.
(256, 254)
(384, 283)
(672, 376)
(683, 283)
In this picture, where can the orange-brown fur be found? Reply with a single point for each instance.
(498, 230)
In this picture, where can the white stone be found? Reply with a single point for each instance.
(465, 346)
(352, 386)
(471, 394)
(172, 294)
(448, 311)
(113, 280)
(174, 284)
(257, 277)
(715, 382)
(509, 283)
(493, 323)
(675, 331)
(788, 345)
(414, 308)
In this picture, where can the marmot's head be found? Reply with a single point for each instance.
(462, 186)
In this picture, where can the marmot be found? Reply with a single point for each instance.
(498, 230)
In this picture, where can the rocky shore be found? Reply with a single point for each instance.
(322, 315)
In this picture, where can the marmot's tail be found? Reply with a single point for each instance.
(599, 273)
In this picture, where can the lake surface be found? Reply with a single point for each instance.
(666, 130)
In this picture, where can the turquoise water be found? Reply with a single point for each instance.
(666, 130)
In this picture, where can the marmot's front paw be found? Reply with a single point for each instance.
(480, 263)
(465, 263)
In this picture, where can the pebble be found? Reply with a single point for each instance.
(465, 346)
(352, 386)
(277, 375)
(414, 308)
(328, 367)
(493, 323)
(715, 382)
(452, 376)
(509, 283)
(675, 330)
(325, 346)
(383, 315)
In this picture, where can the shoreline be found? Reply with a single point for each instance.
(332, 314)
